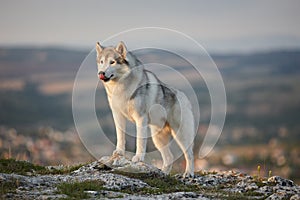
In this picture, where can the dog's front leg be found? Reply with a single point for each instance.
(120, 123)
(141, 139)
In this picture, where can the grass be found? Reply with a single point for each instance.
(77, 190)
(159, 184)
(8, 186)
(168, 184)
(218, 193)
(65, 170)
(9, 166)
(204, 173)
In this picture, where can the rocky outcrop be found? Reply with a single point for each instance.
(123, 179)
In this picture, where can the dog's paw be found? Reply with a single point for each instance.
(118, 152)
(188, 175)
(166, 169)
(137, 158)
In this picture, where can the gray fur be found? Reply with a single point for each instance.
(138, 95)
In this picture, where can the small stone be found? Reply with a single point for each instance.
(278, 196)
(91, 192)
(295, 197)
(265, 190)
(251, 187)
(281, 181)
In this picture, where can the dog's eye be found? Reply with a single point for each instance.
(112, 62)
(101, 61)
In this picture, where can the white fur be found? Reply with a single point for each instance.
(175, 119)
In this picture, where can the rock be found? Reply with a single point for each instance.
(281, 181)
(278, 196)
(267, 190)
(121, 163)
(116, 173)
(251, 187)
(295, 197)
(119, 182)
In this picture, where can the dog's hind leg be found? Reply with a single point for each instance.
(161, 139)
(183, 133)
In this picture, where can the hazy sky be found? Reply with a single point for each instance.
(218, 25)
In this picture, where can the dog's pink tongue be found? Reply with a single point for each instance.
(101, 76)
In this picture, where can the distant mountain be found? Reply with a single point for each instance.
(23, 62)
(17, 62)
(262, 88)
(277, 62)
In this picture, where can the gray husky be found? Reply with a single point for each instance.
(139, 96)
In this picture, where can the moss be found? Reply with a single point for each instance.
(204, 173)
(8, 186)
(217, 193)
(9, 166)
(253, 193)
(65, 170)
(159, 183)
(76, 190)
(260, 183)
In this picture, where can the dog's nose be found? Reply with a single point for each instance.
(101, 75)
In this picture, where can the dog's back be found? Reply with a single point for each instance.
(138, 95)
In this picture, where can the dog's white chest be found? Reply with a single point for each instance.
(123, 105)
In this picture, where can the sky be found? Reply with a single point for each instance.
(220, 26)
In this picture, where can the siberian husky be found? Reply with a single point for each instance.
(136, 94)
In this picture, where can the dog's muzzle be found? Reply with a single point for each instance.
(103, 77)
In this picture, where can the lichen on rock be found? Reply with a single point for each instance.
(123, 179)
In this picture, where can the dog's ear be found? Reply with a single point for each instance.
(99, 48)
(121, 48)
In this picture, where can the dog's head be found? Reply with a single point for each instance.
(112, 62)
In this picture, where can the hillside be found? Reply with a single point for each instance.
(117, 177)
(263, 112)
(262, 88)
